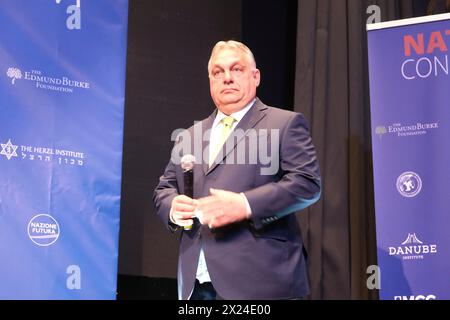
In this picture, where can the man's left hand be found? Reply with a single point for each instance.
(222, 208)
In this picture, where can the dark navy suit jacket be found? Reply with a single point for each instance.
(262, 257)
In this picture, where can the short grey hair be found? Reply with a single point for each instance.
(234, 45)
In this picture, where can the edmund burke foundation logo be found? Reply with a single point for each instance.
(14, 74)
(43, 81)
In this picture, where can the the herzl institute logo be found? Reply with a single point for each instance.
(43, 230)
(14, 73)
(42, 154)
(409, 184)
(412, 248)
(8, 150)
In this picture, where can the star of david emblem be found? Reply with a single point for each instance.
(8, 150)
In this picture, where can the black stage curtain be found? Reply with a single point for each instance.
(332, 90)
(167, 87)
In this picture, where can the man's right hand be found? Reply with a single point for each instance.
(182, 210)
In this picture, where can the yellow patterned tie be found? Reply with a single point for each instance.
(226, 130)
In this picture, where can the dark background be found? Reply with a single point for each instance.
(169, 43)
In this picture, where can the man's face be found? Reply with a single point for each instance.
(232, 79)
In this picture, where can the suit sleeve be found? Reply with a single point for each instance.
(163, 195)
(299, 185)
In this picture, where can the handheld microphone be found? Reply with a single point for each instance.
(187, 164)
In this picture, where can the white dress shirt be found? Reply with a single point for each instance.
(216, 130)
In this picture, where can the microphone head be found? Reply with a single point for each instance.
(187, 162)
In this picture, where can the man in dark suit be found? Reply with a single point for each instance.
(240, 238)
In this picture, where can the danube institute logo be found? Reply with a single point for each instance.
(43, 230)
(412, 248)
(412, 238)
(14, 74)
(8, 150)
(409, 184)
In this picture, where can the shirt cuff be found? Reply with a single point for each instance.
(170, 216)
(247, 205)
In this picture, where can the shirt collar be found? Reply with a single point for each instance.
(238, 115)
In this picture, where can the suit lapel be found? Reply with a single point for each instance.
(206, 126)
(249, 121)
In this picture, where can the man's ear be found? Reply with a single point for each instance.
(257, 76)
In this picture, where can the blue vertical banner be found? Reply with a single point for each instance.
(62, 93)
(410, 118)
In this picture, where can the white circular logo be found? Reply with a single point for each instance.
(43, 230)
(409, 184)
